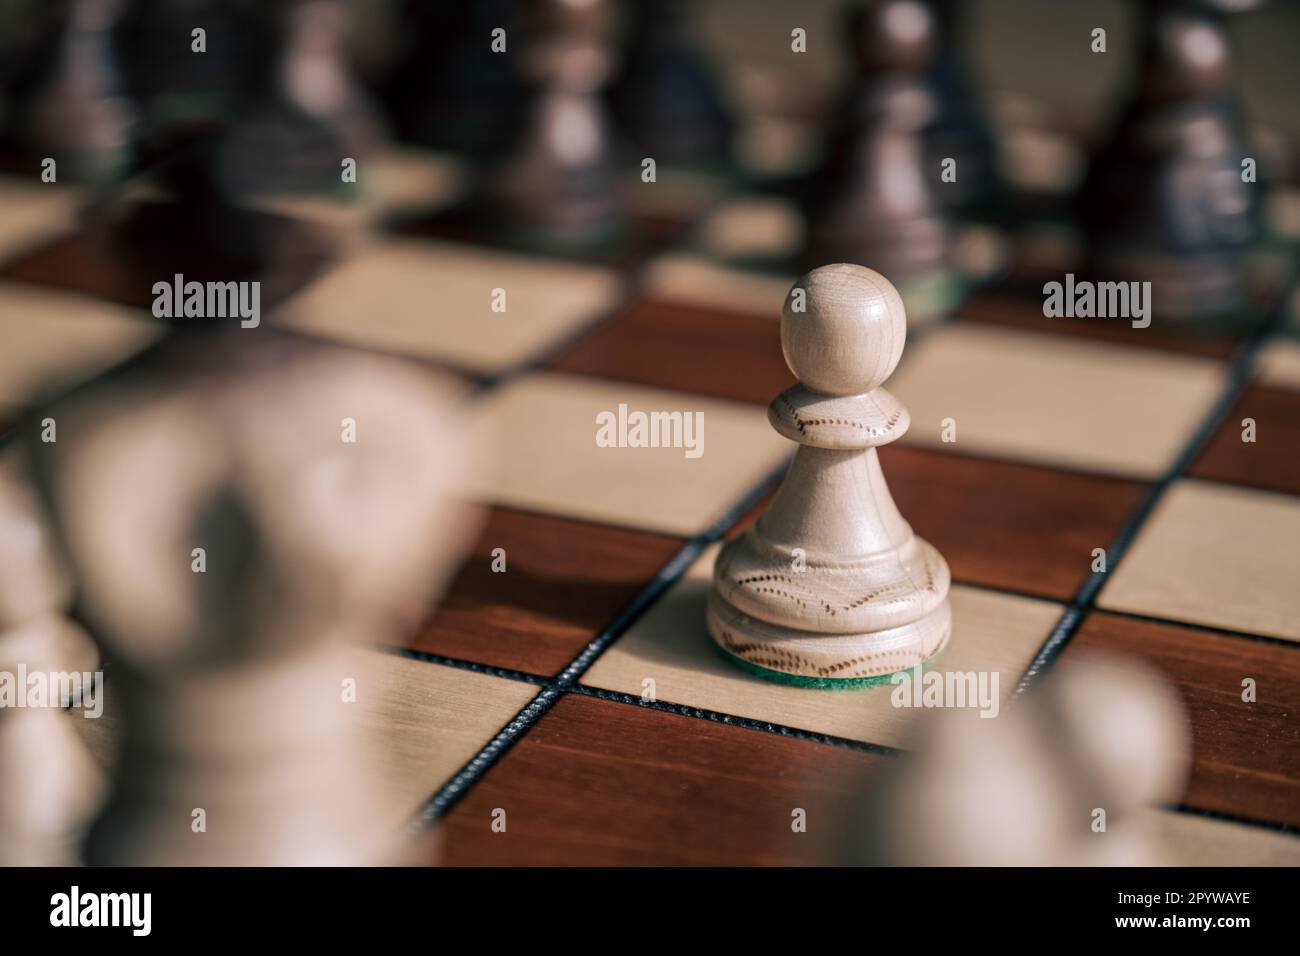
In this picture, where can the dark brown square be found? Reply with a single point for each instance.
(1022, 308)
(564, 581)
(469, 223)
(599, 783)
(1272, 460)
(1000, 524)
(118, 257)
(1004, 525)
(1246, 756)
(688, 348)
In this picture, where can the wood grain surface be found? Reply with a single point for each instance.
(668, 651)
(545, 426)
(119, 259)
(1005, 525)
(1054, 400)
(435, 301)
(1246, 756)
(564, 581)
(1278, 362)
(1272, 460)
(600, 783)
(424, 721)
(1214, 555)
(34, 212)
(695, 279)
(1205, 841)
(54, 339)
(469, 223)
(1023, 309)
(691, 348)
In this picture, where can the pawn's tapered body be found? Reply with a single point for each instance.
(831, 585)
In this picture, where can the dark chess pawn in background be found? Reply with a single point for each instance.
(875, 199)
(1165, 199)
(449, 89)
(304, 114)
(69, 94)
(665, 97)
(556, 183)
(958, 131)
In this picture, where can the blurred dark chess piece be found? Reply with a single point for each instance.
(183, 93)
(557, 184)
(239, 743)
(306, 114)
(958, 130)
(69, 97)
(874, 200)
(1165, 200)
(279, 123)
(665, 97)
(200, 232)
(450, 89)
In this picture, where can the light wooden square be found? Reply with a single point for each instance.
(695, 279)
(1055, 400)
(1203, 841)
(426, 721)
(31, 212)
(772, 147)
(676, 192)
(1215, 555)
(54, 339)
(434, 300)
(1282, 212)
(407, 177)
(1278, 364)
(544, 427)
(430, 720)
(753, 226)
(390, 182)
(670, 646)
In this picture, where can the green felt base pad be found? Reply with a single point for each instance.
(798, 680)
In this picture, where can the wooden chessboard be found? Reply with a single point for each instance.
(578, 691)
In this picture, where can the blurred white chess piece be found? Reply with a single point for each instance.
(238, 517)
(49, 785)
(1066, 776)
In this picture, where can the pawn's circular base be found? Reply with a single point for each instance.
(795, 680)
(810, 659)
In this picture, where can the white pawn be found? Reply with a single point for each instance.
(1126, 729)
(831, 585)
(316, 483)
(1068, 776)
(49, 785)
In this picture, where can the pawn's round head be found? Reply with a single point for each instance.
(843, 329)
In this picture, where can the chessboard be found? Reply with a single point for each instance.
(562, 702)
